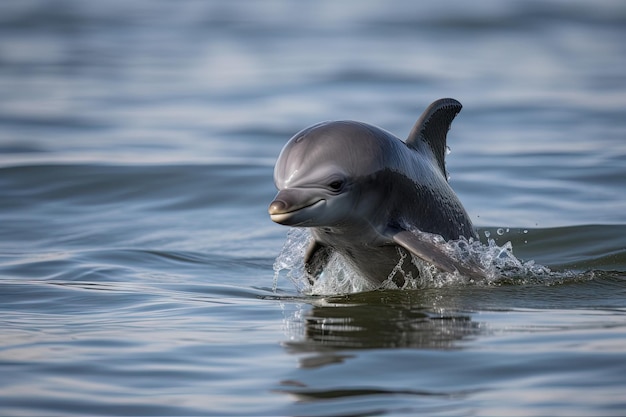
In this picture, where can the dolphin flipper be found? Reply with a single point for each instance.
(432, 128)
(421, 245)
(315, 259)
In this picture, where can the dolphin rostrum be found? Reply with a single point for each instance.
(371, 197)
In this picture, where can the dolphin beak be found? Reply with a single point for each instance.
(289, 206)
(278, 207)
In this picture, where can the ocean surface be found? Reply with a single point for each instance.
(140, 273)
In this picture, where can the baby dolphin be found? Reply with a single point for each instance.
(370, 197)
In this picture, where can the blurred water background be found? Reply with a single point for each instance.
(137, 142)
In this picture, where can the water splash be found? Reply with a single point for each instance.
(498, 263)
(291, 259)
(337, 278)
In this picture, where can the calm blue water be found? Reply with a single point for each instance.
(137, 143)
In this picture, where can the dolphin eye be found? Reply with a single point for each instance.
(336, 185)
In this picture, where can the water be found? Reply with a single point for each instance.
(137, 143)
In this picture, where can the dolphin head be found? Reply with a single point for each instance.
(318, 174)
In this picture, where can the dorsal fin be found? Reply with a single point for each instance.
(432, 127)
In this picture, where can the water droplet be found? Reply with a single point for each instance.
(525, 231)
(487, 233)
(500, 231)
(448, 150)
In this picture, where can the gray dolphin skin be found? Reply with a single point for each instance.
(370, 197)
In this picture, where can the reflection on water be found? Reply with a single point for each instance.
(378, 319)
(329, 329)
(453, 347)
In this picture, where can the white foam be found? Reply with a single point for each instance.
(498, 264)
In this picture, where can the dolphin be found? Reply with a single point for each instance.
(371, 197)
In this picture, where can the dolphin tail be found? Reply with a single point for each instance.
(432, 127)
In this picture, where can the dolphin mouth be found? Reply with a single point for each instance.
(293, 216)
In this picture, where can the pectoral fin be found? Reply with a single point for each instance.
(315, 259)
(421, 245)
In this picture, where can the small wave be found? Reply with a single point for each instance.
(498, 266)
